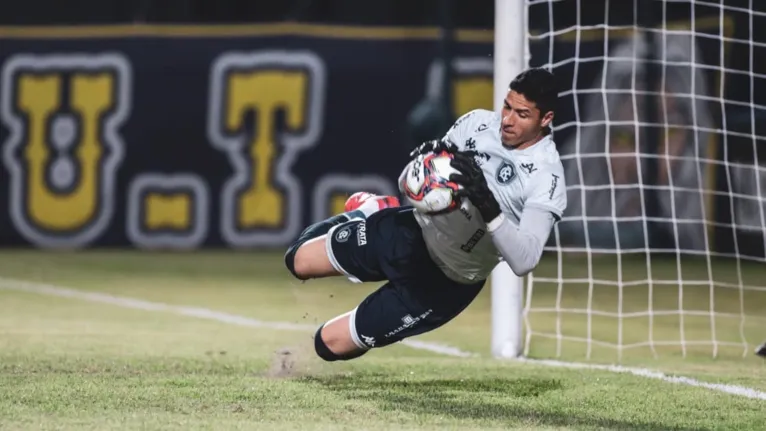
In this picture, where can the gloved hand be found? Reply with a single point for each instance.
(434, 146)
(475, 186)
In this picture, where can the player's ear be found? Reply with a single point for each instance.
(547, 119)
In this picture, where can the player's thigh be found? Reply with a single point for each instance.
(312, 259)
(355, 249)
(343, 250)
(387, 245)
(404, 308)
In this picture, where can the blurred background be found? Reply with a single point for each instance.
(215, 125)
(191, 123)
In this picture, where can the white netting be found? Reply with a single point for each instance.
(662, 247)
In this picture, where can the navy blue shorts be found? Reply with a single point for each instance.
(417, 297)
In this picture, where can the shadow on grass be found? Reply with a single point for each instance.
(490, 399)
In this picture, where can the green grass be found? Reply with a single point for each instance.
(71, 364)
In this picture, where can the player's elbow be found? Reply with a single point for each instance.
(525, 263)
(523, 268)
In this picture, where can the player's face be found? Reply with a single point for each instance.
(522, 122)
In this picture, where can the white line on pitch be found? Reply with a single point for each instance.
(201, 313)
(650, 374)
(204, 313)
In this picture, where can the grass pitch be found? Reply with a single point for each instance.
(71, 364)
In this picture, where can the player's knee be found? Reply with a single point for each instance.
(322, 349)
(309, 259)
(294, 263)
(327, 349)
(298, 260)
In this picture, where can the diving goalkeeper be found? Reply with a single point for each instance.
(435, 265)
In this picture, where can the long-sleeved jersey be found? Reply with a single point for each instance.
(529, 186)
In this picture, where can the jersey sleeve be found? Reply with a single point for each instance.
(461, 130)
(547, 191)
(522, 247)
(458, 134)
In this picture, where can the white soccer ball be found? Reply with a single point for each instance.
(426, 185)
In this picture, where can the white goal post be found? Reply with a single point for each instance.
(661, 127)
(510, 58)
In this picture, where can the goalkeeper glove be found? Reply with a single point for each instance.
(434, 146)
(474, 185)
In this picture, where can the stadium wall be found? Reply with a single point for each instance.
(238, 136)
(185, 137)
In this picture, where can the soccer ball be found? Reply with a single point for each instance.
(426, 185)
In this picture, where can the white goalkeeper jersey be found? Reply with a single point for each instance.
(459, 241)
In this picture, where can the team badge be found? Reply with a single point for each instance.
(505, 173)
(343, 234)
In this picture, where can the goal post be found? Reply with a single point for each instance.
(511, 56)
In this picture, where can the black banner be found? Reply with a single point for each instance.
(212, 136)
(239, 136)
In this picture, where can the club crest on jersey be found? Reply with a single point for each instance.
(343, 234)
(505, 173)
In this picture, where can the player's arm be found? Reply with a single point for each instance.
(453, 140)
(522, 246)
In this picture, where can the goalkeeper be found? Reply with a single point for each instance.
(435, 265)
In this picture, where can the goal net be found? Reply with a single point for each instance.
(660, 125)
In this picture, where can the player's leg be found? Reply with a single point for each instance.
(418, 297)
(307, 256)
(395, 311)
(358, 249)
(336, 339)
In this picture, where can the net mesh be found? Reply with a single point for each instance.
(659, 125)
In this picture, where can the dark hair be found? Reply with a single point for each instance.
(537, 85)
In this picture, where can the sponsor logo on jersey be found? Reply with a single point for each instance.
(370, 341)
(465, 213)
(408, 321)
(361, 234)
(470, 144)
(554, 184)
(529, 167)
(473, 240)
